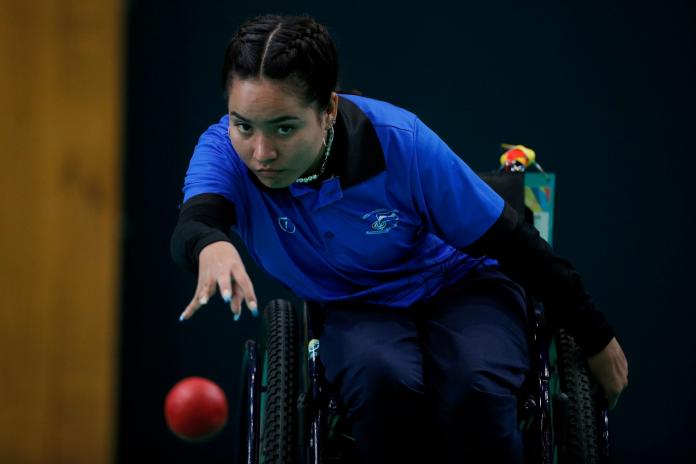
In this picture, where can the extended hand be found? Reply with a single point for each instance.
(219, 265)
(610, 369)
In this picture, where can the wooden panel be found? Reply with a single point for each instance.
(60, 128)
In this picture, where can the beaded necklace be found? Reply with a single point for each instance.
(327, 152)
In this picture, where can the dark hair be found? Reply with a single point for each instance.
(293, 49)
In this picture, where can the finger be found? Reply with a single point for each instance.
(224, 282)
(237, 301)
(209, 289)
(247, 291)
(612, 395)
(199, 299)
(190, 309)
(613, 400)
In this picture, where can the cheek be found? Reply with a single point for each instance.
(296, 152)
(309, 147)
(305, 149)
(243, 149)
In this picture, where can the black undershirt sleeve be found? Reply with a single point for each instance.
(203, 219)
(529, 260)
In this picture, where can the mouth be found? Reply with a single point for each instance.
(268, 173)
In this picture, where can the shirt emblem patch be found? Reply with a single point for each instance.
(382, 220)
(287, 225)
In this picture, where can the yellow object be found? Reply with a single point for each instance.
(517, 153)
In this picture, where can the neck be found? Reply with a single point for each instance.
(319, 166)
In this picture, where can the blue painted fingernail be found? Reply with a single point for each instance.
(237, 316)
(182, 318)
(227, 296)
(253, 308)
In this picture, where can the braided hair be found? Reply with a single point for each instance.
(294, 49)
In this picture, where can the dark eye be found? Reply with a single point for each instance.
(285, 130)
(243, 128)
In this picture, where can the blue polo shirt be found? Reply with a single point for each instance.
(387, 229)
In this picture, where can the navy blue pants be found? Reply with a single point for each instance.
(436, 382)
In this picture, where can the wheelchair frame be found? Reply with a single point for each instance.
(544, 415)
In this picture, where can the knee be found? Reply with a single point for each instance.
(377, 380)
(475, 389)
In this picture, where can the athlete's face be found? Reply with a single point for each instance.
(276, 134)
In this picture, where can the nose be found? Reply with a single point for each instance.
(264, 151)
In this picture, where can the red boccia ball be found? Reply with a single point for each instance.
(195, 409)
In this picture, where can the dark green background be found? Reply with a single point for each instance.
(604, 91)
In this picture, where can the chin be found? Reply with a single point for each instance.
(276, 183)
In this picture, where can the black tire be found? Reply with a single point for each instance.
(582, 437)
(279, 426)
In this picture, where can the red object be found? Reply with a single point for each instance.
(195, 409)
(517, 155)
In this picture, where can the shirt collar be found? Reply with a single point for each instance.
(359, 154)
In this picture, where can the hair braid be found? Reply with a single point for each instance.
(296, 49)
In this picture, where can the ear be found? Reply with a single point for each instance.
(330, 112)
(332, 109)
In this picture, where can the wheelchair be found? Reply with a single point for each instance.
(291, 414)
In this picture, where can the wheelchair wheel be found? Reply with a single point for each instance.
(582, 436)
(280, 416)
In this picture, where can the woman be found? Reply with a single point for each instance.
(357, 205)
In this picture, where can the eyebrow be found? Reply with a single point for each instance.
(272, 121)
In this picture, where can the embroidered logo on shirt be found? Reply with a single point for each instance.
(382, 220)
(287, 225)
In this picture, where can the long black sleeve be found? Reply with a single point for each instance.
(528, 259)
(203, 219)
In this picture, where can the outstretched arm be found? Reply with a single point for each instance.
(200, 243)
